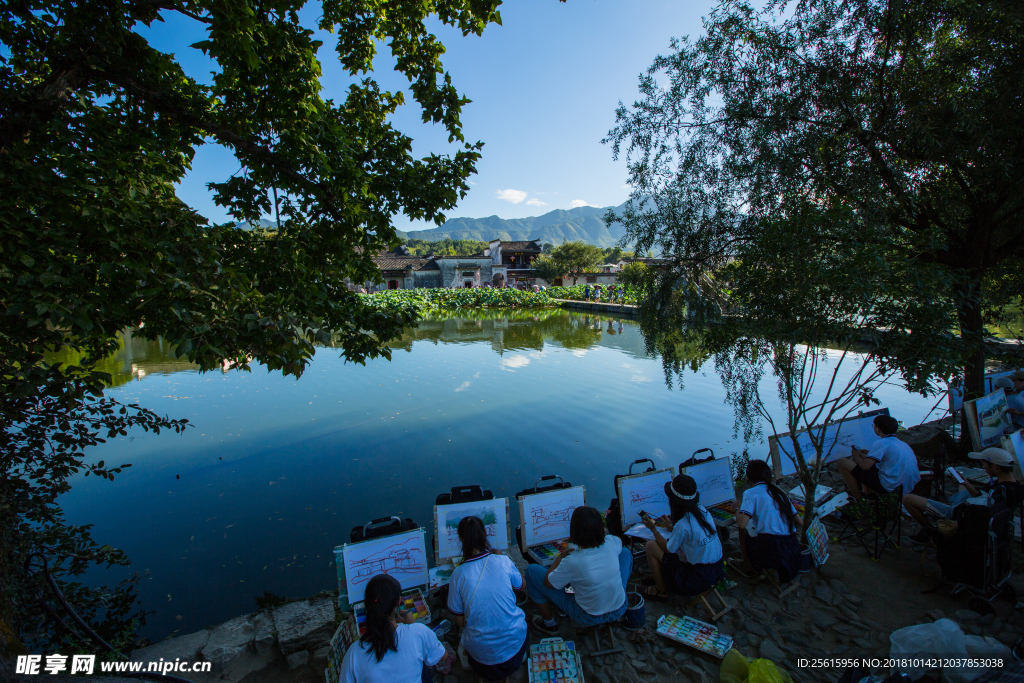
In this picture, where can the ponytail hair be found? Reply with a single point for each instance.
(684, 499)
(381, 600)
(758, 472)
(473, 536)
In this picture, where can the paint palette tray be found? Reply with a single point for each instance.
(724, 511)
(545, 553)
(555, 660)
(696, 634)
(410, 600)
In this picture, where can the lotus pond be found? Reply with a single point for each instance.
(276, 471)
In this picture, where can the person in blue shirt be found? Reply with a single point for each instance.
(888, 464)
(768, 525)
(689, 561)
(1012, 387)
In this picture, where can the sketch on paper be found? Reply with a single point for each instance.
(493, 513)
(546, 515)
(837, 441)
(401, 556)
(1014, 444)
(643, 492)
(714, 481)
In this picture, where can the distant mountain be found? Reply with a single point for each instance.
(584, 224)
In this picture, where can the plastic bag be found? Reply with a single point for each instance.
(738, 669)
(943, 639)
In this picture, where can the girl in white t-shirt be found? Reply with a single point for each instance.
(482, 600)
(768, 525)
(394, 649)
(689, 561)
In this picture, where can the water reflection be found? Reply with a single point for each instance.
(276, 471)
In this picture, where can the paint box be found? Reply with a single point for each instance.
(410, 600)
(554, 660)
(724, 511)
(545, 553)
(696, 634)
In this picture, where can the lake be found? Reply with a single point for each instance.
(276, 471)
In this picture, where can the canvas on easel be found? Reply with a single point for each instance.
(545, 521)
(987, 419)
(645, 491)
(1013, 443)
(493, 513)
(714, 481)
(838, 437)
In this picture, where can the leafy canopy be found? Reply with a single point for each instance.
(96, 127)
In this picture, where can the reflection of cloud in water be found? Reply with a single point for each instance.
(628, 366)
(579, 353)
(658, 453)
(463, 386)
(516, 361)
(476, 375)
(639, 378)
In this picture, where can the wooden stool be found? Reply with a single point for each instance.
(596, 630)
(703, 599)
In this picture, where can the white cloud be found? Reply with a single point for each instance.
(462, 387)
(516, 361)
(640, 378)
(576, 203)
(514, 196)
(536, 202)
(472, 183)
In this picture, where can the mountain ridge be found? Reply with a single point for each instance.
(583, 223)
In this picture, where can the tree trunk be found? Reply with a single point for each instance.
(972, 334)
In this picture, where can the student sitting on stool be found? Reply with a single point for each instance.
(394, 648)
(768, 524)
(1002, 488)
(482, 601)
(889, 463)
(598, 571)
(689, 561)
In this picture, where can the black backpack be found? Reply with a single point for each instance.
(463, 494)
(962, 555)
(692, 460)
(385, 526)
(614, 517)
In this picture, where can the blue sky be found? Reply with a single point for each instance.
(544, 86)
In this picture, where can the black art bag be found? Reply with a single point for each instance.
(385, 526)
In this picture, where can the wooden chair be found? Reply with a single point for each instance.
(596, 630)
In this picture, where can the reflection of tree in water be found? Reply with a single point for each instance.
(136, 358)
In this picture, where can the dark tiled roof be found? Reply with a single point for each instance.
(520, 246)
(391, 261)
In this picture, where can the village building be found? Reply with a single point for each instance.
(510, 263)
(401, 269)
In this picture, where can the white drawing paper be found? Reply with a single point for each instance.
(956, 391)
(714, 481)
(839, 438)
(493, 513)
(546, 515)
(643, 492)
(993, 420)
(402, 556)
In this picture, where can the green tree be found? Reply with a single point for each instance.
(96, 127)
(576, 257)
(907, 114)
(547, 267)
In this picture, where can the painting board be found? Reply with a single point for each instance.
(987, 420)
(493, 513)
(1013, 444)
(858, 431)
(645, 492)
(402, 556)
(956, 391)
(545, 516)
(714, 481)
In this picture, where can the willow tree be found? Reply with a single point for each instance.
(96, 128)
(907, 114)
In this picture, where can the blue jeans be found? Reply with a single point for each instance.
(541, 594)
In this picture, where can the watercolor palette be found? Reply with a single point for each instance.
(724, 511)
(696, 634)
(410, 600)
(554, 660)
(545, 553)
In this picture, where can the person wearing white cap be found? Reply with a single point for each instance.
(1002, 488)
(1014, 400)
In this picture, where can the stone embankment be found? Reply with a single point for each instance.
(598, 307)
